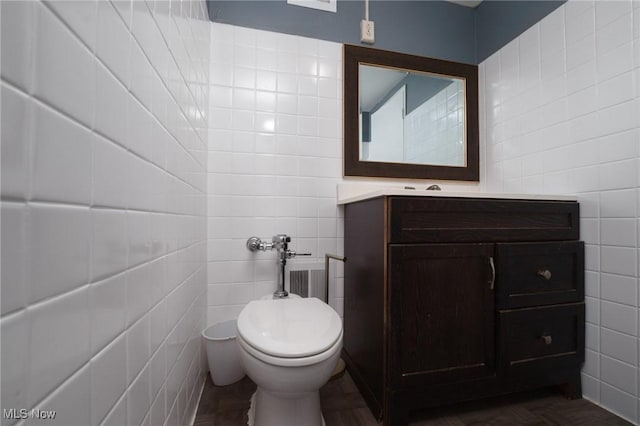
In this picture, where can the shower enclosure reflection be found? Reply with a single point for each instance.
(411, 117)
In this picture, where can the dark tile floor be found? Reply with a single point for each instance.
(342, 405)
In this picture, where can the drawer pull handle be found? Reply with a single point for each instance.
(546, 339)
(544, 273)
(492, 282)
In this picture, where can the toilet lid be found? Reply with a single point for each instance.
(289, 328)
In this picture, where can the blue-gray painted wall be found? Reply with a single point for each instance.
(433, 28)
(428, 28)
(499, 22)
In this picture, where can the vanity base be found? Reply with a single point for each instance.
(449, 300)
(402, 414)
(402, 406)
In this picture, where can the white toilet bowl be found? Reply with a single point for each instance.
(289, 348)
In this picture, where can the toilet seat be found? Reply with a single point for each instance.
(290, 362)
(289, 328)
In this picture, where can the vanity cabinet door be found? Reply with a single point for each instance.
(441, 318)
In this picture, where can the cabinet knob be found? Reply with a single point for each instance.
(544, 273)
(546, 339)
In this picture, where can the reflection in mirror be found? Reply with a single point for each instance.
(411, 117)
(408, 116)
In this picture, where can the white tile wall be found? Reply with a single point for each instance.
(562, 115)
(274, 160)
(104, 141)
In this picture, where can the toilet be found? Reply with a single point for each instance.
(289, 348)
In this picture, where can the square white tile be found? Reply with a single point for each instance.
(81, 17)
(108, 379)
(69, 84)
(138, 399)
(59, 343)
(110, 248)
(137, 344)
(111, 38)
(107, 301)
(111, 177)
(18, 37)
(16, 144)
(14, 255)
(58, 249)
(619, 402)
(618, 317)
(71, 402)
(15, 365)
(111, 106)
(61, 165)
(619, 346)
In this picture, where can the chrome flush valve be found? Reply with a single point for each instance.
(255, 244)
(280, 243)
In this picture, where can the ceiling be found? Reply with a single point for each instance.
(468, 3)
(379, 82)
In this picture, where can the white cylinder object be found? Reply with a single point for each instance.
(225, 366)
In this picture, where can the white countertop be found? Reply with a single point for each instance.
(352, 193)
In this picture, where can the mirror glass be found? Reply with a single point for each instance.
(408, 116)
(411, 117)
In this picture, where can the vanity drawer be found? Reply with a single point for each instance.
(532, 274)
(433, 219)
(532, 339)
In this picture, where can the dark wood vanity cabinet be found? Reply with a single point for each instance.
(440, 291)
(454, 299)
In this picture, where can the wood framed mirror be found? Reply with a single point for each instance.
(408, 116)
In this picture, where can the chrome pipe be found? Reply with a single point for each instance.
(280, 244)
(328, 256)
